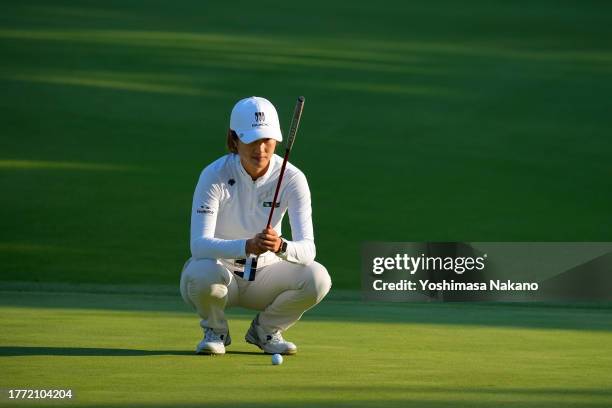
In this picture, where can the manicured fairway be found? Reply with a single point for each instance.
(480, 120)
(131, 350)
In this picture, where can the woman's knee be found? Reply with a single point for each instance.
(318, 281)
(204, 277)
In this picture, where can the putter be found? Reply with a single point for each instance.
(251, 263)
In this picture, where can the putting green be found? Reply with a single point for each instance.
(122, 350)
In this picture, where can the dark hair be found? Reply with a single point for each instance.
(232, 141)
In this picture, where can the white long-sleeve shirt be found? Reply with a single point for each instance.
(229, 208)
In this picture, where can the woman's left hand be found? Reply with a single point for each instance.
(269, 240)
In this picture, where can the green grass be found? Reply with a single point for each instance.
(120, 350)
(424, 121)
(471, 121)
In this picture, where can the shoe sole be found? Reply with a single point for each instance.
(252, 340)
(212, 353)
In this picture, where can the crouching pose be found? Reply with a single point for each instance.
(231, 204)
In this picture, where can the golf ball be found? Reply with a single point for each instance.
(277, 359)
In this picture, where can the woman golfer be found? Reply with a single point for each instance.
(231, 204)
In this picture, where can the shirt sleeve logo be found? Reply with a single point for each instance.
(269, 204)
(204, 209)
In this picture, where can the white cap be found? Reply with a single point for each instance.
(255, 118)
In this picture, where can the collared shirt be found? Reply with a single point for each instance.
(230, 207)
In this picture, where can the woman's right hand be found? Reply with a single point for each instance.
(253, 246)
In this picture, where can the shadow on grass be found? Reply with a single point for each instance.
(13, 351)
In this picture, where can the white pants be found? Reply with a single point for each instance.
(282, 292)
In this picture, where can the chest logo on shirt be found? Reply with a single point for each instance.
(269, 204)
(231, 182)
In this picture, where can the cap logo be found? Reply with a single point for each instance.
(260, 120)
(260, 117)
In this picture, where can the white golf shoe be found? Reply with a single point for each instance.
(213, 343)
(270, 343)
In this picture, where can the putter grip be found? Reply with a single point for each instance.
(295, 121)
